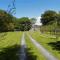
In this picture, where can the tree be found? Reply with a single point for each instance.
(48, 17)
(33, 20)
(6, 22)
(24, 23)
(58, 19)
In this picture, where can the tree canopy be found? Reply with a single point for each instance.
(24, 23)
(6, 22)
(9, 23)
(48, 16)
(51, 21)
(33, 20)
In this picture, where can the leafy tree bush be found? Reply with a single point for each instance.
(6, 22)
(33, 20)
(51, 22)
(24, 24)
(48, 17)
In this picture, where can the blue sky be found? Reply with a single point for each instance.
(31, 8)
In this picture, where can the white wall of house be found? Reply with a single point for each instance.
(37, 25)
(38, 22)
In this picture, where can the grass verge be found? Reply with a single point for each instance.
(51, 44)
(32, 52)
(9, 45)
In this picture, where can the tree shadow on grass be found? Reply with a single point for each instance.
(13, 53)
(55, 45)
(3, 35)
(30, 55)
(10, 53)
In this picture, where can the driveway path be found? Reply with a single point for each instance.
(23, 46)
(42, 49)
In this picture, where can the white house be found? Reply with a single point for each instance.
(37, 24)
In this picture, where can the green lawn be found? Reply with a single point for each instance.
(50, 43)
(32, 52)
(9, 45)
